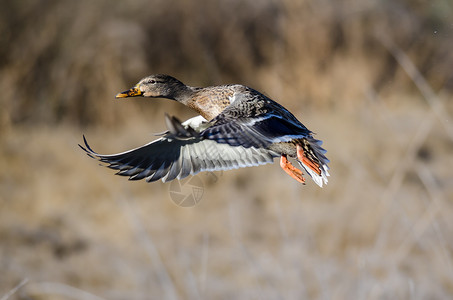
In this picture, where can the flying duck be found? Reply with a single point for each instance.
(237, 127)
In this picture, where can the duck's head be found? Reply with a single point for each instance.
(157, 86)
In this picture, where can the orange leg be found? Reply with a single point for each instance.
(312, 165)
(291, 170)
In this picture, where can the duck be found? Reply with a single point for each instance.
(237, 127)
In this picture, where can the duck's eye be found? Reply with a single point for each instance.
(151, 81)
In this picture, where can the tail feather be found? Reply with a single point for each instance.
(313, 160)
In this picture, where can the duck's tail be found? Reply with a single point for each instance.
(311, 157)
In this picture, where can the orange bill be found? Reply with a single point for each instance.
(133, 92)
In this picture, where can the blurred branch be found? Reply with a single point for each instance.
(60, 289)
(438, 201)
(428, 219)
(422, 131)
(401, 169)
(430, 96)
(151, 250)
(15, 289)
(436, 207)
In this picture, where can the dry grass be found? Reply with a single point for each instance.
(380, 98)
(370, 234)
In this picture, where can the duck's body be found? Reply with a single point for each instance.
(213, 100)
(238, 127)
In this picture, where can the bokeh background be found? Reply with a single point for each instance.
(373, 79)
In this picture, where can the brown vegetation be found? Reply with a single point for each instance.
(372, 78)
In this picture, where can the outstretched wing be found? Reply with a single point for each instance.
(180, 152)
(253, 120)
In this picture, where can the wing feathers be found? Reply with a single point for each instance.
(259, 132)
(179, 153)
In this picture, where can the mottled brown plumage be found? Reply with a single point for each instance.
(211, 102)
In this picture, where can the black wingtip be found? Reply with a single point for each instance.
(83, 148)
(87, 148)
(85, 142)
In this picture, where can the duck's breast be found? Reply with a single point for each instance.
(210, 102)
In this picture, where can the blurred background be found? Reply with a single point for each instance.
(373, 79)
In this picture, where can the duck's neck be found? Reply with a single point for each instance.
(183, 94)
